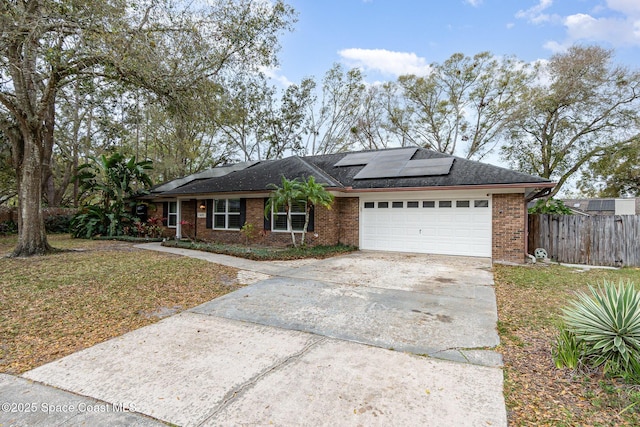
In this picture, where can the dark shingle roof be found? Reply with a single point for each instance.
(259, 176)
(463, 172)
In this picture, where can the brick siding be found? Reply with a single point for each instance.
(509, 233)
(340, 224)
(349, 225)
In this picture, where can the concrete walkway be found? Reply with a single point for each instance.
(298, 347)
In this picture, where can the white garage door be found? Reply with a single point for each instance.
(444, 226)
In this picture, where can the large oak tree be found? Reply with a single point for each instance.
(170, 48)
(582, 107)
(463, 104)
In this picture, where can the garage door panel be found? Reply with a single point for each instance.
(460, 228)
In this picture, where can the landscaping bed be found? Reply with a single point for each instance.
(529, 300)
(131, 239)
(263, 253)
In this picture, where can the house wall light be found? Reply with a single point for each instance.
(202, 205)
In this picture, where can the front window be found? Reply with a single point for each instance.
(172, 214)
(279, 217)
(226, 214)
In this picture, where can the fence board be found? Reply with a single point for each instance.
(611, 240)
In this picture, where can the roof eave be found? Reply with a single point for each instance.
(452, 187)
(202, 193)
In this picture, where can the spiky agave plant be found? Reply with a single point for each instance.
(608, 322)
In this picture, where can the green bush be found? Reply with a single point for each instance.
(96, 221)
(607, 323)
(58, 223)
(8, 227)
(550, 207)
(264, 253)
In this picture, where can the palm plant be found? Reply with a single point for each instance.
(291, 192)
(314, 194)
(284, 196)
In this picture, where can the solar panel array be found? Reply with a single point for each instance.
(357, 159)
(395, 164)
(602, 205)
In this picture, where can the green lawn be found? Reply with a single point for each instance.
(54, 305)
(529, 303)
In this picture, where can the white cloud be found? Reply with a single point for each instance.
(583, 27)
(628, 7)
(385, 61)
(273, 74)
(474, 3)
(617, 23)
(556, 47)
(536, 13)
(616, 31)
(510, 25)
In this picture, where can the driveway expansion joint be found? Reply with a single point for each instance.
(239, 390)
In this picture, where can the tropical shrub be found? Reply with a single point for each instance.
(153, 227)
(110, 186)
(550, 207)
(607, 324)
(58, 223)
(97, 221)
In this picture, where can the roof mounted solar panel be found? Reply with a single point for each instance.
(359, 159)
(377, 169)
(401, 154)
(427, 167)
(601, 205)
(356, 159)
(387, 164)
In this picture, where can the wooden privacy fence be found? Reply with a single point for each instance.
(611, 240)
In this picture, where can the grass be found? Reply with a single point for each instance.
(536, 392)
(263, 253)
(55, 305)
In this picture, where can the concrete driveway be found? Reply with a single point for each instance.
(432, 305)
(342, 341)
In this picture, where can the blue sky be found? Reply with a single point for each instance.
(387, 38)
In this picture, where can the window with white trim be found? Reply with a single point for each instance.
(226, 214)
(279, 217)
(172, 214)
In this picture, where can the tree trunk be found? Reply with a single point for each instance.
(32, 237)
(290, 224)
(307, 215)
